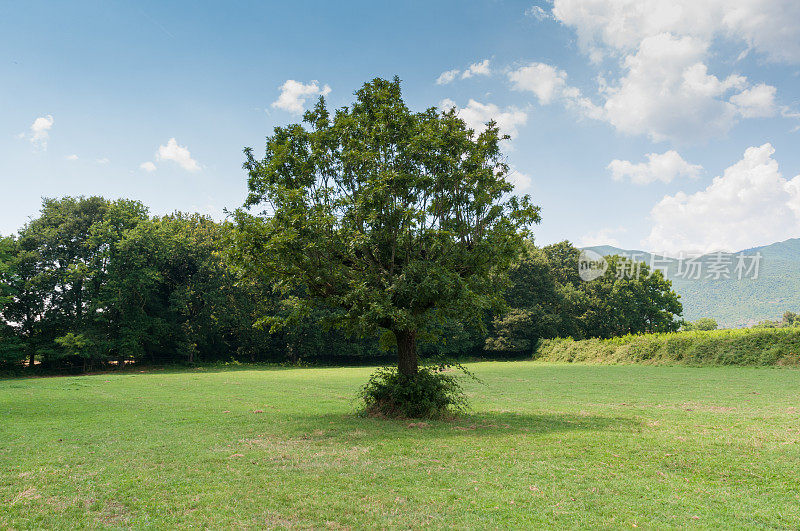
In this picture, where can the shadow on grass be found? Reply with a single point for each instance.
(479, 424)
(134, 369)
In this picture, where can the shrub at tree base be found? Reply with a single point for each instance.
(429, 394)
(715, 347)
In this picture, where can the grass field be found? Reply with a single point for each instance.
(546, 445)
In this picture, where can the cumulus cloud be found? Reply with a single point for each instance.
(294, 95)
(606, 27)
(176, 153)
(663, 87)
(102, 160)
(481, 68)
(756, 102)
(545, 81)
(750, 204)
(667, 93)
(71, 157)
(40, 131)
(148, 166)
(664, 167)
(477, 69)
(447, 77)
(522, 181)
(477, 114)
(549, 84)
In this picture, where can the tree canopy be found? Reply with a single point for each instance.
(548, 299)
(393, 219)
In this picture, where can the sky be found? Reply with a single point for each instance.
(663, 125)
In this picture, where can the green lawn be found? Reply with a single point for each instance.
(546, 445)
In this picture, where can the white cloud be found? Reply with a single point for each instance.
(756, 102)
(538, 13)
(549, 84)
(750, 204)
(600, 237)
(477, 114)
(148, 166)
(180, 154)
(522, 181)
(447, 77)
(294, 95)
(40, 131)
(102, 160)
(477, 69)
(659, 167)
(618, 26)
(71, 157)
(664, 88)
(668, 94)
(544, 80)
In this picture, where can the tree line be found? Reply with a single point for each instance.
(93, 283)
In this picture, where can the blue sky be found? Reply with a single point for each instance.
(155, 101)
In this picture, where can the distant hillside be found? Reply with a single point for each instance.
(733, 302)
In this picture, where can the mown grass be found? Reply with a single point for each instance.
(546, 445)
(746, 346)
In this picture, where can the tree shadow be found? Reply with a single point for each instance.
(478, 424)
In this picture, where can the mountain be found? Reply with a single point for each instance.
(732, 301)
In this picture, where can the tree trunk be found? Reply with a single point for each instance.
(32, 359)
(407, 362)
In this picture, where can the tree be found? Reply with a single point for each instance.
(790, 319)
(629, 299)
(24, 297)
(12, 351)
(535, 305)
(396, 219)
(704, 323)
(62, 267)
(563, 258)
(548, 299)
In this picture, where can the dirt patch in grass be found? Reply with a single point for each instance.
(28, 494)
(114, 514)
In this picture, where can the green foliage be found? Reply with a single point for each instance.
(717, 347)
(547, 299)
(704, 323)
(430, 393)
(393, 219)
(790, 319)
(127, 287)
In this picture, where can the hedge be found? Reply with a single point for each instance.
(776, 346)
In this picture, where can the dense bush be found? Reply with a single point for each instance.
(431, 393)
(716, 347)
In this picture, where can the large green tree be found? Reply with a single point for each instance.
(393, 219)
(547, 299)
(630, 299)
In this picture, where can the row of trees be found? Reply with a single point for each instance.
(93, 282)
(547, 298)
(389, 227)
(789, 320)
